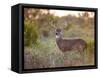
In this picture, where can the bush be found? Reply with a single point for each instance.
(30, 33)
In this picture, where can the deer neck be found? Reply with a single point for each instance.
(58, 38)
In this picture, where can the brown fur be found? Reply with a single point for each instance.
(70, 44)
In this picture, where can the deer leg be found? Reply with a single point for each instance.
(85, 55)
(80, 50)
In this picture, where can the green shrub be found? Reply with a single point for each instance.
(90, 45)
(30, 33)
(69, 26)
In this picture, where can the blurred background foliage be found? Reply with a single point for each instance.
(30, 33)
(40, 46)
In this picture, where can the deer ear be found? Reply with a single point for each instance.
(61, 32)
(55, 29)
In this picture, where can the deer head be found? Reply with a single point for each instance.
(58, 33)
(58, 27)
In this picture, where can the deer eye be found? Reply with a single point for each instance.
(56, 33)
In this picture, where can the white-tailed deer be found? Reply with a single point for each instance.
(69, 44)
